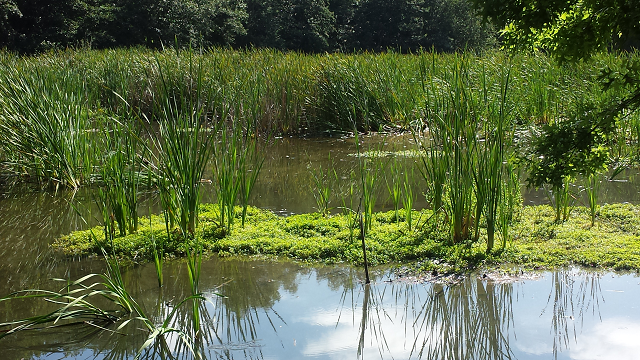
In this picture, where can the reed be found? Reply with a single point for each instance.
(408, 198)
(227, 162)
(45, 126)
(560, 196)
(121, 172)
(348, 207)
(292, 93)
(593, 188)
(452, 127)
(492, 160)
(236, 167)
(369, 170)
(465, 138)
(183, 143)
(393, 187)
(249, 174)
(322, 189)
(511, 201)
(158, 251)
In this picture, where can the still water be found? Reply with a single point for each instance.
(282, 310)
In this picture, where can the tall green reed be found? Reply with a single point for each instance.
(249, 174)
(323, 186)
(122, 165)
(227, 162)
(465, 137)
(492, 158)
(348, 207)
(370, 168)
(46, 125)
(511, 201)
(393, 187)
(236, 166)
(593, 188)
(560, 197)
(452, 125)
(183, 143)
(408, 198)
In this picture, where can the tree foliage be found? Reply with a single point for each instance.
(303, 25)
(573, 30)
(569, 29)
(446, 25)
(36, 25)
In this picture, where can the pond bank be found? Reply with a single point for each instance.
(536, 240)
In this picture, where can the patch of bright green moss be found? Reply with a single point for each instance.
(536, 241)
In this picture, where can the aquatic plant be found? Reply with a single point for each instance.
(45, 126)
(183, 143)
(236, 166)
(511, 201)
(292, 93)
(121, 172)
(226, 173)
(322, 189)
(593, 188)
(452, 125)
(249, 172)
(407, 198)
(465, 138)
(492, 158)
(393, 186)
(560, 196)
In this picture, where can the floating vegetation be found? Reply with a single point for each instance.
(373, 154)
(538, 241)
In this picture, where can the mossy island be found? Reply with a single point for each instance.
(537, 240)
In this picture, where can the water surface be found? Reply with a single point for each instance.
(278, 310)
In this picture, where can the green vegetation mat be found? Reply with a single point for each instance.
(536, 240)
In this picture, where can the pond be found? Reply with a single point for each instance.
(281, 310)
(276, 310)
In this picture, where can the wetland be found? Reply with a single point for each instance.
(227, 213)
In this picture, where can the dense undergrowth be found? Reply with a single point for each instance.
(294, 93)
(537, 241)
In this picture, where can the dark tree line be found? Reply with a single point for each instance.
(306, 25)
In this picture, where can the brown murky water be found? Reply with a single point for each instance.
(282, 310)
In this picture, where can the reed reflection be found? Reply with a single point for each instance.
(471, 320)
(572, 296)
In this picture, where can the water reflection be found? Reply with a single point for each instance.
(467, 321)
(573, 295)
(274, 310)
(284, 310)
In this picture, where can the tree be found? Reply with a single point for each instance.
(35, 25)
(573, 30)
(304, 25)
(8, 8)
(408, 25)
(343, 10)
(157, 23)
(569, 29)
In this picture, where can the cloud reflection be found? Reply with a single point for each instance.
(614, 338)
